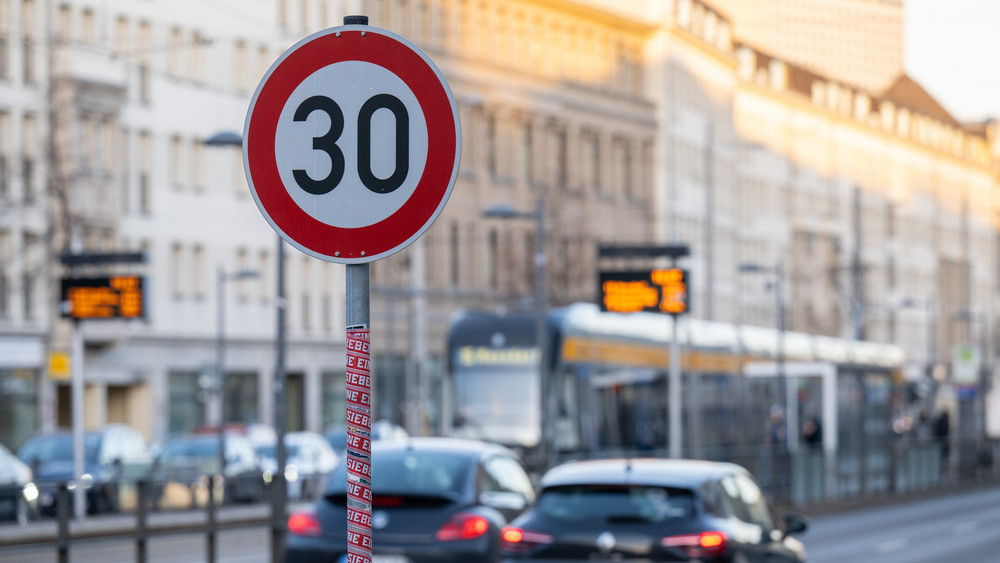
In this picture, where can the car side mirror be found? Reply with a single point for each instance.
(503, 500)
(795, 523)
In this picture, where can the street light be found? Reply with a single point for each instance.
(278, 497)
(221, 280)
(790, 417)
(507, 211)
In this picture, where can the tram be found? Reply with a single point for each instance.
(609, 375)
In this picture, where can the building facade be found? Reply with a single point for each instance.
(855, 42)
(628, 122)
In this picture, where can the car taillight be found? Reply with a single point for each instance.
(304, 523)
(698, 545)
(462, 526)
(517, 540)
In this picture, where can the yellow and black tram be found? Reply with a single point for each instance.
(609, 375)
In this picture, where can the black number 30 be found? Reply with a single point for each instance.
(328, 144)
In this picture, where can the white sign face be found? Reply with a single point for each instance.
(351, 204)
(352, 144)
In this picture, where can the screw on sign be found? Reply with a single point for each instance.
(351, 149)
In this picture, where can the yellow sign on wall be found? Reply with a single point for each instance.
(59, 366)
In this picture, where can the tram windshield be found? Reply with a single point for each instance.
(498, 404)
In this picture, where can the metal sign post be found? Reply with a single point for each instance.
(325, 179)
(359, 414)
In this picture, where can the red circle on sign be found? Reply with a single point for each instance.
(381, 239)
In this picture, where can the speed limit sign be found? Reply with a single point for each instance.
(352, 144)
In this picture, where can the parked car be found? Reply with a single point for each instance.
(653, 510)
(18, 493)
(113, 455)
(437, 500)
(382, 430)
(188, 461)
(309, 460)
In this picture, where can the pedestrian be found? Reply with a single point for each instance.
(812, 433)
(942, 428)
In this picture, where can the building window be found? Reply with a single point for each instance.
(145, 48)
(145, 165)
(186, 402)
(176, 51)
(28, 33)
(177, 270)
(198, 272)
(242, 265)
(454, 260)
(241, 397)
(528, 153)
(28, 177)
(176, 162)
(144, 194)
(31, 266)
(334, 407)
(121, 36)
(492, 259)
(593, 163)
(123, 172)
(491, 145)
(306, 294)
(6, 267)
(265, 272)
(240, 66)
(197, 166)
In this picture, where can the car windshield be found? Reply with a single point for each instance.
(196, 448)
(409, 472)
(616, 503)
(58, 447)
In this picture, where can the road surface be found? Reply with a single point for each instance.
(960, 527)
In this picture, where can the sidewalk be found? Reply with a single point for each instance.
(47, 530)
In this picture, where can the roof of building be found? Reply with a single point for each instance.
(906, 92)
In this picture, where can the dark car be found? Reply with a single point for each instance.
(187, 461)
(113, 455)
(382, 430)
(435, 500)
(652, 510)
(18, 493)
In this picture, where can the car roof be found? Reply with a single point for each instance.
(663, 472)
(457, 446)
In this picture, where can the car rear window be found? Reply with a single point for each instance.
(410, 472)
(616, 503)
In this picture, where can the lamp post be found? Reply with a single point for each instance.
(790, 416)
(221, 280)
(506, 211)
(279, 495)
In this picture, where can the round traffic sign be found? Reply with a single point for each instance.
(352, 144)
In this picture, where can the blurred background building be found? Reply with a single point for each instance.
(763, 136)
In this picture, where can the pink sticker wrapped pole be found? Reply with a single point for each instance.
(359, 446)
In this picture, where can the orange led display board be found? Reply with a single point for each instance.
(111, 297)
(662, 290)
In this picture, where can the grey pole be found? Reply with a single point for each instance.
(220, 389)
(548, 397)
(791, 410)
(76, 357)
(220, 365)
(279, 492)
(674, 393)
